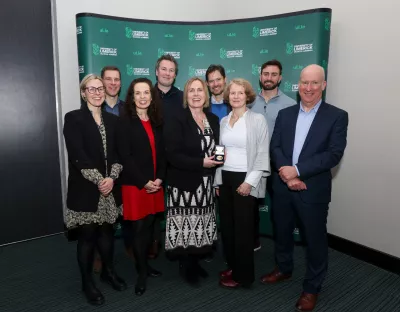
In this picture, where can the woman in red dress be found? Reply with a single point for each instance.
(142, 155)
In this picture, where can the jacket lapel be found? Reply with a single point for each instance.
(93, 130)
(292, 127)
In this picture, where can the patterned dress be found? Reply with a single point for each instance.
(107, 210)
(191, 220)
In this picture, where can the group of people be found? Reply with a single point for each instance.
(154, 154)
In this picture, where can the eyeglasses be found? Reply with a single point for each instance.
(92, 90)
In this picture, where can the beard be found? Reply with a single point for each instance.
(269, 87)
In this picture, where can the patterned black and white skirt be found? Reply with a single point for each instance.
(191, 221)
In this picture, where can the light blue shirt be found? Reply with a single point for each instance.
(304, 122)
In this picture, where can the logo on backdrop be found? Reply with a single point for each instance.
(81, 69)
(230, 54)
(78, 30)
(327, 24)
(198, 72)
(255, 69)
(199, 54)
(135, 71)
(231, 34)
(264, 51)
(168, 36)
(297, 67)
(299, 27)
(104, 30)
(137, 53)
(263, 32)
(298, 48)
(230, 71)
(289, 87)
(162, 52)
(97, 50)
(199, 36)
(136, 34)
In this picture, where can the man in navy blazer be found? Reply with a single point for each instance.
(309, 139)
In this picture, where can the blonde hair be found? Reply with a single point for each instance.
(248, 90)
(84, 82)
(186, 91)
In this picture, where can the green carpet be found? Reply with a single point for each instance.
(42, 275)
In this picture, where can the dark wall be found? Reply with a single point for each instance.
(30, 182)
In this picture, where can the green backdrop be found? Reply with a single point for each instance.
(241, 46)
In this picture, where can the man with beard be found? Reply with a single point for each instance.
(269, 102)
(111, 76)
(171, 97)
(216, 81)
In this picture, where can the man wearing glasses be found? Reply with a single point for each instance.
(111, 76)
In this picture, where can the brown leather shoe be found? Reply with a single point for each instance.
(306, 302)
(226, 274)
(274, 277)
(228, 282)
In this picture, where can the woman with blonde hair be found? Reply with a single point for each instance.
(190, 139)
(241, 180)
(94, 199)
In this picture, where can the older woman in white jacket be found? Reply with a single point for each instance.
(240, 181)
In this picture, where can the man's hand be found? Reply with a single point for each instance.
(244, 189)
(296, 185)
(287, 173)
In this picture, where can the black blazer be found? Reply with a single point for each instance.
(85, 151)
(322, 150)
(135, 153)
(183, 148)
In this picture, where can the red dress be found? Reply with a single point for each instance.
(138, 204)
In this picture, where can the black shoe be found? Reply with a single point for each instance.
(114, 280)
(201, 272)
(153, 272)
(140, 290)
(92, 294)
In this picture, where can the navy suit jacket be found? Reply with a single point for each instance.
(322, 150)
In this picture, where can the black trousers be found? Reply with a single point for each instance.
(311, 219)
(237, 227)
(139, 233)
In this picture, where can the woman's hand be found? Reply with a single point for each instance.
(106, 186)
(244, 189)
(151, 187)
(209, 162)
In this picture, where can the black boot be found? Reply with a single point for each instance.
(110, 277)
(93, 295)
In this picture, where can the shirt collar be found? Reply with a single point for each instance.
(277, 95)
(315, 108)
(214, 101)
(116, 104)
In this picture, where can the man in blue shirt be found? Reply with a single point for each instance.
(308, 141)
(111, 76)
(268, 103)
(216, 81)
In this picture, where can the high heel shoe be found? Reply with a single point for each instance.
(110, 277)
(151, 272)
(140, 290)
(92, 294)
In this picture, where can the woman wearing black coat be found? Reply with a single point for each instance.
(141, 150)
(93, 200)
